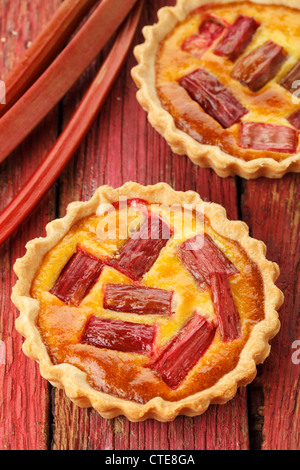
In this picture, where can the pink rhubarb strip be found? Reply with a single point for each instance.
(228, 317)
(183, 352)
(77, 277)
(141, 251)
(119, 335)
(141, 300)
(291, 80)
(269, 137)
(211, 28)
(294, 119)
(201, 257)
(213, 97)
(237, 37)
(260, 66)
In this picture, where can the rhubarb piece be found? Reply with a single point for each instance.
(201, 257)
(292, 80)
(137, 299)
(119, 335)
(213, 97)
(258, 67)
(237, 37)
(211, 28)
(268, 137)
(77, 278)
(183, 352)
(196, 45)
(140, 252)
(294, 119)
(229, 321)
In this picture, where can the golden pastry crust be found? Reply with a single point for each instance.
(74, 381)
(206, 156)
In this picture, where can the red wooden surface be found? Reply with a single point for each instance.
(122, 146)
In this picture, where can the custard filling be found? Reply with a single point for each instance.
(129, 332)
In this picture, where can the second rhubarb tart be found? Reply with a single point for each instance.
(147, 302)
(220, 80)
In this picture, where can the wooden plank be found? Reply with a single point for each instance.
(122, 146)
(24, 396)
(272, 208)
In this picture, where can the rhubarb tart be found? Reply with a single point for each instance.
(147, 302)
(220, 80)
